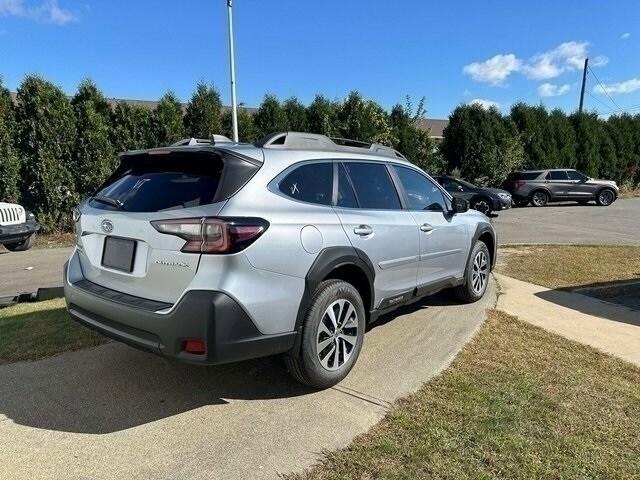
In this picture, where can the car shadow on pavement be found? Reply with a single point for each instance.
(114, 387)
(621, 306)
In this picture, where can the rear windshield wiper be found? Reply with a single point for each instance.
(108, 200)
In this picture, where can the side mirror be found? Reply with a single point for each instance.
(459, 205)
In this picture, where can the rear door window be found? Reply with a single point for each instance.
(557, 175)
(373, 186)
(523, 176)
(312, 183)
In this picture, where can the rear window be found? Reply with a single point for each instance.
(523, 176)
(154, 183)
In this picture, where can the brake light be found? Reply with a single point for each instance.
(213, 235)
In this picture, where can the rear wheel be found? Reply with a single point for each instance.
(605, 197)
(332, 336)
(539, 198)
(22, 245)
(482, 205)
(476, 274)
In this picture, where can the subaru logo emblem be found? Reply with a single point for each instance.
(107, 226)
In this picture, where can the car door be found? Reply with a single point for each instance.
(444, 238)
(580, 188)
(558, 183)
(371, 214)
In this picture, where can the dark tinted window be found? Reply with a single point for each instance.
(573, 175)
(374, 187)
(346, 196)
(151, 183)
(523, 176)
(557, 175)
(422, 193)
(311, 183)
(451, 185)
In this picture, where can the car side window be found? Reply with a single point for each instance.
(557, 175)
(422, 193)
(373, 186)
(575, 175)
(450, 185)
(346, 195)
(311, 183)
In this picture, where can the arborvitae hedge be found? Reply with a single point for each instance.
(54, 151)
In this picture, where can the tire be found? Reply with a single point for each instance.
(23, 245)
(322, 368)
(539, 198)
(605, 197)
(482, 205)
(476, 274)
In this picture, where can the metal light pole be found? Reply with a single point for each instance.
(232, 65)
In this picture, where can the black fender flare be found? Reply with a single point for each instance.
(481, 229)
(328, 260)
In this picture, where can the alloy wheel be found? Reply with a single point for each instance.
(482, 206)
(539, 199)
(605, 197)
(337, 334)
(480, 272)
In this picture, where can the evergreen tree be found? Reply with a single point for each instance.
(296, 115)
(204, 113)
(562, 137)
(483, 145)
(270, 117)
(9, 162)
(532, 124)
(322, 116)
(45, 138)
(166, 121)
(365, 120)
(94, 156)
(247, 131)
(588, 142)
(131, 127)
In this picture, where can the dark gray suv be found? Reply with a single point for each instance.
(556, 185)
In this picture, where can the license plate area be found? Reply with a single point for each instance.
(119, 254)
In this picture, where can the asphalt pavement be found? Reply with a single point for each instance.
(113, 412)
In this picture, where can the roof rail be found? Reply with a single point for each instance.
(315, 141)
(198, 141)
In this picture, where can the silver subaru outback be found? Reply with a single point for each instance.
(212, 252)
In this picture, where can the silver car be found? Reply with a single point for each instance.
(212, 252)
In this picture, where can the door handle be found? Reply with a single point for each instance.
(363, 230)
(425, 227)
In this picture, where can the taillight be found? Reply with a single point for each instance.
(213, 235)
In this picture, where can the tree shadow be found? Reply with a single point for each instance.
(620, 303)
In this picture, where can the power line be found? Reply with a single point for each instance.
(604, 89)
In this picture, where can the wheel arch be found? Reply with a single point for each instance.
(342, 263)
(486, 234)
(540, 189)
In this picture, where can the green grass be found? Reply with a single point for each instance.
(31, 331)
(566, 266)
(518, 403)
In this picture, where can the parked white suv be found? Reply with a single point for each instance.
(18, 227)
(213, 252)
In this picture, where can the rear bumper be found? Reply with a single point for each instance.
(227, 330)
(19, 232)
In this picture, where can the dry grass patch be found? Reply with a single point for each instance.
(518, 403)
(564, 266)
(31, 331)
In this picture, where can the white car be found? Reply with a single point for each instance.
(18, 227)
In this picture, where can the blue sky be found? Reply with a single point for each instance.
(451, 52)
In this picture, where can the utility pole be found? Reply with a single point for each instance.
(232, 67)
(584, 82)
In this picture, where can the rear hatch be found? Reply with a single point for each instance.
(120, 249)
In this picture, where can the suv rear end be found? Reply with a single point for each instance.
(135, 271)
(522, 184)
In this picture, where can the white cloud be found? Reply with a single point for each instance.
(619, 88)
(551, 90)
(48, 11)
(567, 56)
(494, 70)
(625, 35)
(484, 103)
(554, 62)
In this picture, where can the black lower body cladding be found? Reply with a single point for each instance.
(210, 316)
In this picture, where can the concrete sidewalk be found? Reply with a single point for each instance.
(113, 412)
(610, 328)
